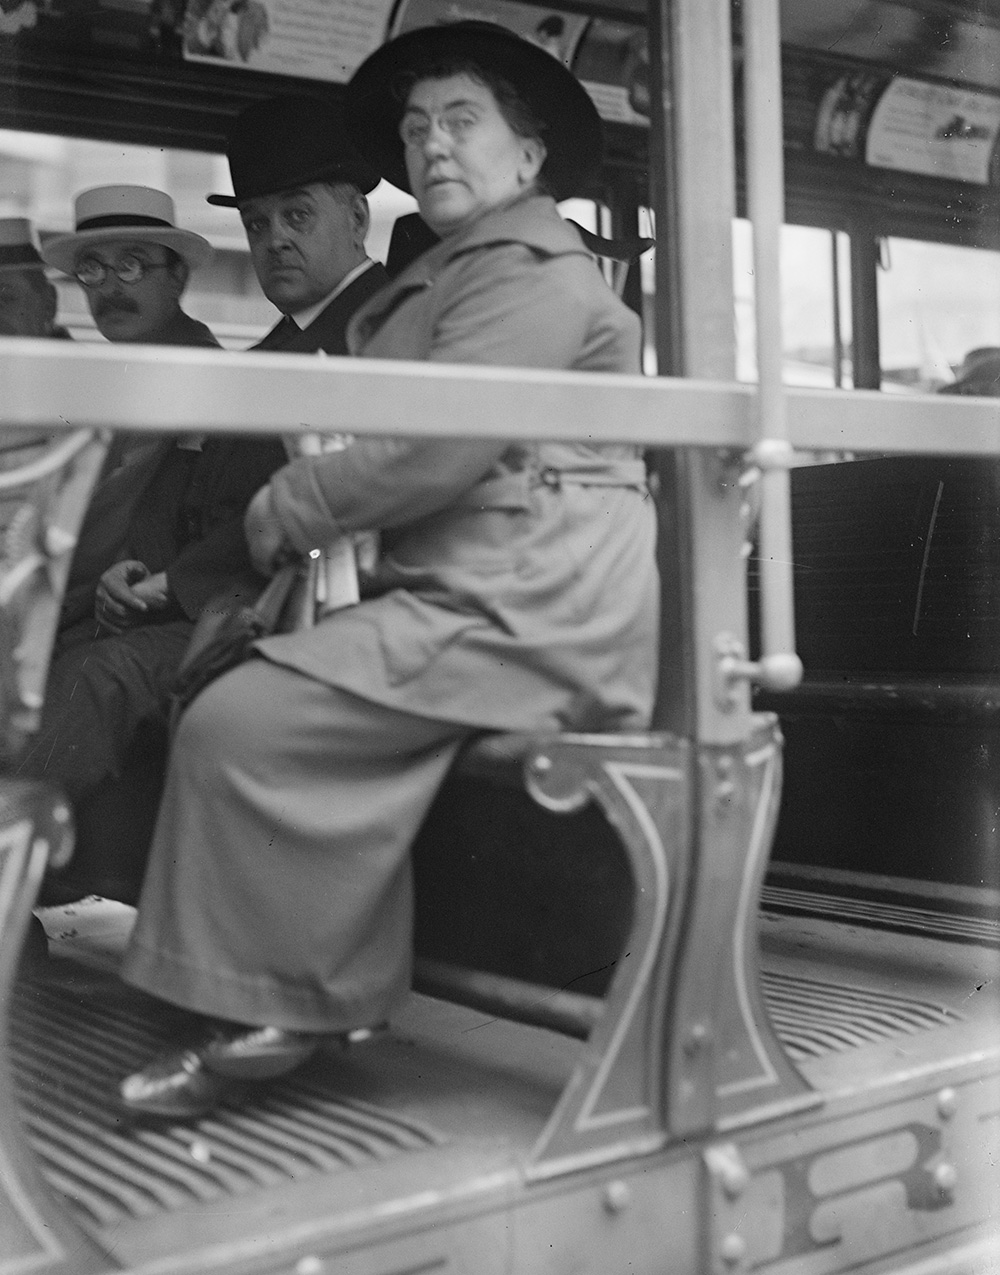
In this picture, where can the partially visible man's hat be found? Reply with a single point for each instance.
(979, 373)
(374, 106)
(287, 142)
(17, 245)
(108, 213)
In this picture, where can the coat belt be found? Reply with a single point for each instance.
(512, 491)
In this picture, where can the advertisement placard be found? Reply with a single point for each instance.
(308, 39)
(934, 129)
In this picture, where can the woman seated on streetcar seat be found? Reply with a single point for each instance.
(516, 590)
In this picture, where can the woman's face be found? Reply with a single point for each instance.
(462, 157)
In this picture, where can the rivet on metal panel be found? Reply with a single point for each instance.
(617, 1196)
(729, 1169)
(947, 1103)
(729, 653)
(735, 1180)
(945, 1179)
(696, 1039)
(733, 1249)
(725, 785)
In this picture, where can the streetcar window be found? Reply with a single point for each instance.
(936, 303)
(815, 315)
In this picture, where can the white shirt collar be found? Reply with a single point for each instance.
(304, 317)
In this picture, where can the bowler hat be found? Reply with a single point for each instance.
(572, 128)
(287, 142)
(17, 245)
(105, 214)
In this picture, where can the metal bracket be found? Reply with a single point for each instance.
(728, 1178)
(779, 672)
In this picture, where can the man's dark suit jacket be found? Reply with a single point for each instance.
(203, 550)
(328, 331)
(115, 824)
(177, 512)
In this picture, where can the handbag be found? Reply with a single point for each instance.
(225, 632)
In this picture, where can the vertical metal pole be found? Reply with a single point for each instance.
(693, 182)
(867, 358)
(838, 335)
(766, 202)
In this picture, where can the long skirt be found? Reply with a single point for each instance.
(279, 887)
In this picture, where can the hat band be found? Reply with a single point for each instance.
(121, 219)
(19, 255)
(253, 185)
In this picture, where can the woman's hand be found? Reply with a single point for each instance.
(269, 547)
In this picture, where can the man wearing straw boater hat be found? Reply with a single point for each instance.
(27, 298)
(162, 536)
(300, 190)
(133, 263)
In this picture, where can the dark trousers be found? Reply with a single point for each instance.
(102, 741)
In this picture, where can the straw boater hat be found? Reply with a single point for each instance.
(135, 213)
(17, 245)
(572, 132)
(287, 142)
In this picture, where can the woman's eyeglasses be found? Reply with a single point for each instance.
(91, 272)
(458, 121)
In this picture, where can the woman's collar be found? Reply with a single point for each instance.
(531, 219)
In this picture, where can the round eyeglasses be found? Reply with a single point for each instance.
(91, 272)
(457, 121)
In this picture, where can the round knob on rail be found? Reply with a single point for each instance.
(782, 672)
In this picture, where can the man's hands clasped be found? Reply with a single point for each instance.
(126, 593)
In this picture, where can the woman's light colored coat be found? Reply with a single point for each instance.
(516, 587)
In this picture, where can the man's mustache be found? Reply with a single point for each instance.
(107, 305)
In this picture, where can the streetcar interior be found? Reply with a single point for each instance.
(879, 905)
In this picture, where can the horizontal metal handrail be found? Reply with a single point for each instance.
(50, 462)
(55, 385)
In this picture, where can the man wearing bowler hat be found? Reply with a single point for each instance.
(163, 536)
(300, 190)
(27, 298)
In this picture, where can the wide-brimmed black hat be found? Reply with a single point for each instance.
(373, 106)
(286, 142)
